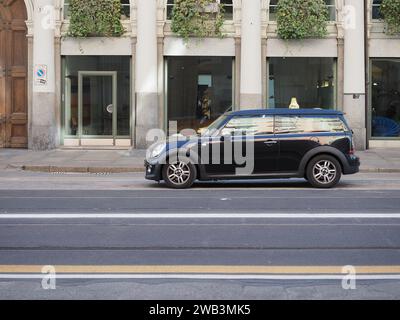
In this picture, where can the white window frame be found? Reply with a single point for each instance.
(65, 9)
(270, 6)
(211, 9)
(126, 5)
(168, 6)
(374, 5)
(330, 8)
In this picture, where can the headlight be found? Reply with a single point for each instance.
(156, 151)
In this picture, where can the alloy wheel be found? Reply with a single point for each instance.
(178, 173)
(324, 171)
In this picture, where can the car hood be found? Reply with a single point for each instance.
(179, 142)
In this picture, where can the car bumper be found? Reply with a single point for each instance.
(353, 165)
(153, 171)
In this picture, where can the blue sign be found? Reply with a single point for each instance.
(40, 73)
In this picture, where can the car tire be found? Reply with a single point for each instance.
(179, 174)
(324, 171)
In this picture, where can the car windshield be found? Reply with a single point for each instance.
(213, 128)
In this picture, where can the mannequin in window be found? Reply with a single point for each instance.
(206, 106)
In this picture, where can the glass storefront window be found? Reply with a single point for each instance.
(199, 90)
(385, 108)
(98, 93)
(312, 81)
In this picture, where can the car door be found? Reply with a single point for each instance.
(212, 151)
(247, 147)
(266, 145)
(295, 140)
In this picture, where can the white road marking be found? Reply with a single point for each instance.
(198, 197)
(199, 276)
(200, 216)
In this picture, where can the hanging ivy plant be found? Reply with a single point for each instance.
(301, 19)
(95, 18)
(390, 10)
(197, 18)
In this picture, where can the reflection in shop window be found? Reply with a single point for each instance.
(385, 98)
(330, 4)
(199, 90)
(376, 9)
(312, 81)
(125, 9)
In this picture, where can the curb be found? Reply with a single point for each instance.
(380, 170)
(55, 169)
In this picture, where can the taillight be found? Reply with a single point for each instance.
(352, 150)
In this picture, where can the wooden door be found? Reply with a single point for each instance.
(13, 74)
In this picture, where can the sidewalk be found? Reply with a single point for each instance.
(72, 160)
(117, 161)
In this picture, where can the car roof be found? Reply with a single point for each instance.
(285, 111)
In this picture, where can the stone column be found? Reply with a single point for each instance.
(264, 68)
(43, 114)
(354, 71)
(146, 71)
(238, 64)
(251, 67)
(160, 59)
(340, 73)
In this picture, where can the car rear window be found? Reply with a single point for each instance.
(311, 124)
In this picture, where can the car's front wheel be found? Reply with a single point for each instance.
(324, 172)
(179, 174)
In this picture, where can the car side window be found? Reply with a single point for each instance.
(286, 125)
(308, 124)
(249, 126)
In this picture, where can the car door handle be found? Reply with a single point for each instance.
(269, 142)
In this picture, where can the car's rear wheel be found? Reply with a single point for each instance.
(179, 174)
(324, 172)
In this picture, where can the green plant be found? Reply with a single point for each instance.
(95, 18)
(197, 18)
(300, 19)
(390, 10)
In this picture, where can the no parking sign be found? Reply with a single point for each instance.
(41, 75)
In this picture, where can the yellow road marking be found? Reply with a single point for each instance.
(197, 269)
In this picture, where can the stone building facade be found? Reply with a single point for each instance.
(58, 91)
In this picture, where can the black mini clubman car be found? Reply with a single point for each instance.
(259, 144)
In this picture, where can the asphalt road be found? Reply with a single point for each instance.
(118, 236)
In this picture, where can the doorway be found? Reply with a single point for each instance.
(96, 101)
(13, 75)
